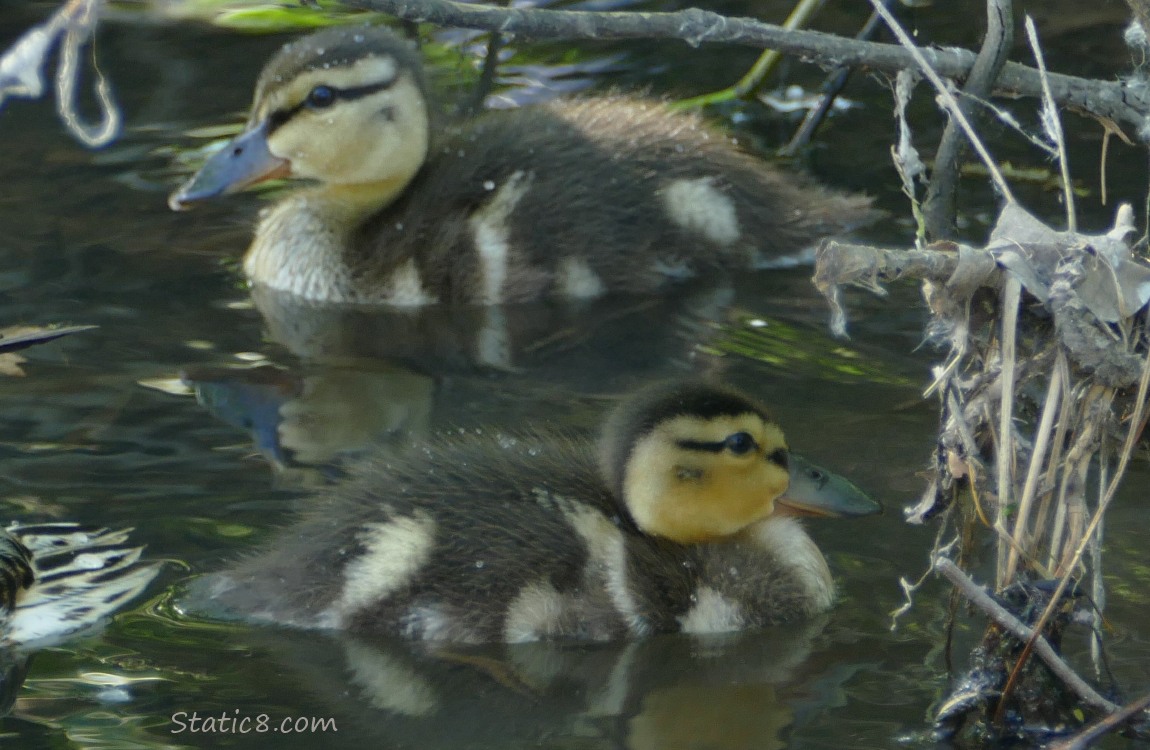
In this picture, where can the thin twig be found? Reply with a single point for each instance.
(1058, 447)
(487, 74)
(1053, 125)
(1132, 435)
(947, 98)
(1124, 460)
(1097, 585)
(978, 597)
(831, 87)
(1087, 736)
(753, 78)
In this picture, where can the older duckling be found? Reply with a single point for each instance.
(674, 526)
(57, 578)
(570, 199)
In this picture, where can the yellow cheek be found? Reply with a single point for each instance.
(285, 144)
(744, 494)
(705, 506)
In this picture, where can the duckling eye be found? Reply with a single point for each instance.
(320, 97)
(739, 443)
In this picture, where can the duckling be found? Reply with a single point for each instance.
(57, 578)
(571, 199)
(672, 523)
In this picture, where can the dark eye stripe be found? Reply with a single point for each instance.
(277, 119)
(700, 445)
(719, 446)
(780, 457)
(361, 91)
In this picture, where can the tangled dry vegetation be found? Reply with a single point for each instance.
(1045, 376)
(1042, 400)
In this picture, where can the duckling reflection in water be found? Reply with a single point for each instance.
(672, 523)
(570, 199)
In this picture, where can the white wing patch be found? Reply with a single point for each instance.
(535, 613)
(697, 205)
(607, 551)
(405, 287)
(491, 237)
(576, 280)
(394, 553)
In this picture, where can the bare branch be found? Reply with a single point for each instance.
(1052, 125)
(1113, 100)
(1088, 736)
(978, 597)
(939, 207)
(953, 108)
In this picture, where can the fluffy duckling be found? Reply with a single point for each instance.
(570, 199)
(57, 578)
(672, 523)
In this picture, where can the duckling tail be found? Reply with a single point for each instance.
(81, 575)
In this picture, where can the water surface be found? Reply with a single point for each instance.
(96, 433)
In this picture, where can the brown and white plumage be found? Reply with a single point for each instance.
(569, 199)
(488, 537)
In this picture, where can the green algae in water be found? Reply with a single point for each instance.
(799, 351)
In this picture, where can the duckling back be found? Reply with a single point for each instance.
(487, 537)
(435, 546)
(578, 198)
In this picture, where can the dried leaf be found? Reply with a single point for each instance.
(1114, 284)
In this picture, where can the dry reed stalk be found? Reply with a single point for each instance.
(1004, 444)
(1024, 536)
(1058, 446)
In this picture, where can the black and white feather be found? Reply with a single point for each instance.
(58, 578)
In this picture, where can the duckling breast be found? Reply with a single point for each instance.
(298, 250)
(769, 575)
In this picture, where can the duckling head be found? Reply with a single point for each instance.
(345, 106)
(693, 462)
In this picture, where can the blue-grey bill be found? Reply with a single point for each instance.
(245, 161)
(816, 491)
